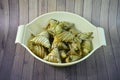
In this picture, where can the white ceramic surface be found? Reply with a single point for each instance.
(36, 26)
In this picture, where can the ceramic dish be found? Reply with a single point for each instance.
(35, 27)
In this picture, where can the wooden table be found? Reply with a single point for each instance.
(17, 64)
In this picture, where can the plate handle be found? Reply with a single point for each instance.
(101, 35)
(20, 33)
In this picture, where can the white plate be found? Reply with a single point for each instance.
(36, 26)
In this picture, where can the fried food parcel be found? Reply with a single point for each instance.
(61, 42)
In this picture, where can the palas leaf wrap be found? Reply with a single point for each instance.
(61, 42)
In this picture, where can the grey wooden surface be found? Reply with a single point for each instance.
(17, 64)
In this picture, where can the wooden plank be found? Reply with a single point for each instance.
(73, 72)
(1, 55)
(110, 62)
(67, 73)
(1, 31)
(118, 19)
(115, 33)
(33, 7)
(81, 71)
(60, 72)
(116, 51)
(114, 40)
(101, 65)
(87, 12)
(39, 7)
(104, 24)
(118, 30)
(95, 18)
(16, 73)
(70, 5)
(49, 70)
(79, 6)
(39, 71)
(44, 5)
(70, 72)
(27, 66)
(80, 67)
(29, 59)
(4, 26)
(90, 62)
(99, 54)
(60, 5)
(91, 68)
(51, 5)
(112, 23)
(9, 48)
(39, 67)
(109, 57)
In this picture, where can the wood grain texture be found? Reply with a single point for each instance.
(113, 38)
(9, 49)
(4, 26)
(100, 58)
(49, 70)
(44, 4)
(90, 62)
(70, 72)
(60, 72)
(81, 67)
(20, 51)
(39, 68)
(29, 60)
(16, 63)
(99, 54)
(118, 30)
(61, 5)
(51, 5)
(19, 58)
(87, 10)
(79, 6)
(70, 5)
